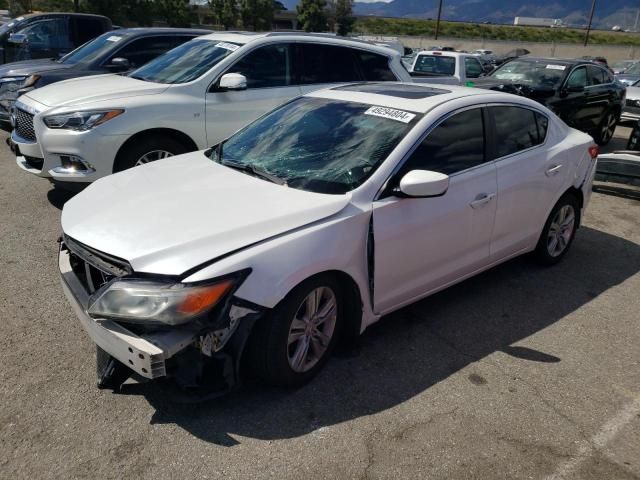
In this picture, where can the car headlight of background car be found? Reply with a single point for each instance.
(15, 83)
(150, 301)
(82, 120)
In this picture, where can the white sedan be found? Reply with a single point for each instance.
(308, 225)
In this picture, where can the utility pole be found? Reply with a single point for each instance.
(593, 8)
(438, 20)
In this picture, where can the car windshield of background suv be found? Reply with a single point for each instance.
(544, 73)
(93, 49)
(186, 62)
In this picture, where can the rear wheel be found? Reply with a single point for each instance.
(559, 230)
(147, 150)
(606, 129)
(293, 343)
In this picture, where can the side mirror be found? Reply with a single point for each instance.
(119, 63)
(18, 38)
(424, 183)
(232, 81)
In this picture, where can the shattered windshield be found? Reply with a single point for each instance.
(535, 73)
(319, 145)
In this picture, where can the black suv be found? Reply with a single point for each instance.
(113, 52)
(48, 35)
(582, 93)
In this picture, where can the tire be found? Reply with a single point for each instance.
(559, 231)
(606, 128)
(153, 148)
(271, 355)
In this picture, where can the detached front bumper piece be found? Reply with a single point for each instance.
(145, 354)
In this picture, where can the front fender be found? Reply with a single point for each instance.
(281, 263)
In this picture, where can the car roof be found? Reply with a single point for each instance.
(142, 31)
(565, 61)
(406, 96)
(243, 38)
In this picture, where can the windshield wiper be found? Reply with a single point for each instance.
(256, 171)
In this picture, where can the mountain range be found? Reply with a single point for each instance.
(572, 12)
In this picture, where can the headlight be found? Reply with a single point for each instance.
(11, 83)
(30, 81)
(80, 121)
(147, 301)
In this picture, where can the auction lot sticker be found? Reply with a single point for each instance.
(391, 113)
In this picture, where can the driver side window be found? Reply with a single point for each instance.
(578, 78)
(268, 66)
(454, 145)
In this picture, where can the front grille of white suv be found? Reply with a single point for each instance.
(24, 125)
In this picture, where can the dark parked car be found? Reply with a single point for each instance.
(113, 52)
(48, 35)
(584, 94)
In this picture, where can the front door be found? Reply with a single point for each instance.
(424, 244)
(270, 82)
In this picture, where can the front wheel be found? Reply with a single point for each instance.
(293, 343)
(147, 150)
(559, 230)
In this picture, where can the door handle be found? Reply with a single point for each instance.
(483, 200)
(553, 170)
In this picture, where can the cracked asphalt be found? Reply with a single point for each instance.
(520, 373)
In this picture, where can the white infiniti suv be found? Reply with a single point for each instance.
(191, 97)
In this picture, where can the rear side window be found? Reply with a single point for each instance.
(435, 65)
(596, 75)
(328, 64)
(375, 67)
(517, 129)
(455, 145)
(268, 66)
(472, 67)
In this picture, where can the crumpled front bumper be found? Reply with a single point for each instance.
(144, 354)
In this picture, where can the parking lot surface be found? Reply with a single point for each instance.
(521, 372)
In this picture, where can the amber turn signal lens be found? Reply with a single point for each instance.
(204, 298)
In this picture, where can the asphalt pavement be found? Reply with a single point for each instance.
(522, 372)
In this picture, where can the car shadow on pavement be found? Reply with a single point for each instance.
(59, 196)
(413, 349)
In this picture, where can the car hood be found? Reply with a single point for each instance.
(172, 215)
(508, 86)
(28, 67)
(79, 91)
(628, 77)
(33, 68)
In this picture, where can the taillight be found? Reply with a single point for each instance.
(593, 151)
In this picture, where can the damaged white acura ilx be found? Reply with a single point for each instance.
(308, 225)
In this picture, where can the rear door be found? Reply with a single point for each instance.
(530, 175)
(271, 81)
(599, 93)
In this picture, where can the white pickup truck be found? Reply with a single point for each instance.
(451, 68)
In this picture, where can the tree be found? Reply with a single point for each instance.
(311, 15)
(257, 14)
(344, 16)
(177, 13)
(226, 12)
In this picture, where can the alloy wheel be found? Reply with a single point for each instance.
(608, 128)
(312, 329)
(153, 156)
(561, 230)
